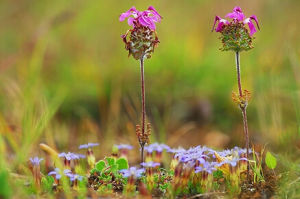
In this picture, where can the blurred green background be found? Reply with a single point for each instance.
(66, 78)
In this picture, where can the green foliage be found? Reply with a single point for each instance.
(110, 165)
(5, 189)
(47, 183)
(100, 165)
(218, 174)
(110, 161)
(270, 160)
(122, 163)
(257, 167)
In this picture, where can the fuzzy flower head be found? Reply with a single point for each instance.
(142, 39)
(235, 33)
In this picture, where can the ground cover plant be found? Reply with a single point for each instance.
(53, 146)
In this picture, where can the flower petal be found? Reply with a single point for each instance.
(155, 13)
(251, 26)
(217, 18)
(253, 17)
(237, 14)
(126, 14)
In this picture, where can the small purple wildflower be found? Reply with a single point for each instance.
(74, 177)
(36, 161)
(132, 171)
(57, 175)
(208, 167)
(71, 156)
(88, 145)
(124, 146)
(156, 147)
(146, 18)
(150, 164)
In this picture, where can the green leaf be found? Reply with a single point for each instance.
(110, 161)
(100, 165)
(5, 189)
(47, 183)
(270, 160)
(122, 163)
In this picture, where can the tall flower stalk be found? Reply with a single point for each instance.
(140, 41)
(237, 37)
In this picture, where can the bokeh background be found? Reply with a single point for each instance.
(66, 79)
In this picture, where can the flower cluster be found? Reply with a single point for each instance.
(142, 38)
(57, 174)
(197, 164)
(235, 36)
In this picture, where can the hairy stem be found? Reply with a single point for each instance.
(237, 61)
(243, 108)
(143, 106)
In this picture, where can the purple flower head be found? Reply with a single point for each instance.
(71, 156)
(88, 145)
(124, 146)
(55, 173)
(132, 171)
(74, 177)
(146, 18)
(35, 161)
(156, 147)
(238, 16)
(150, 164)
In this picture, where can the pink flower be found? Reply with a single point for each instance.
(238, 16)
(221, 24)
(146, 18)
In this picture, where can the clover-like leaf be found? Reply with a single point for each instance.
(110, 161)
(100, 165)
(122, 163)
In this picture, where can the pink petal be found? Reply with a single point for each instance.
(237, 9)
(220, 27)
(130, 21)
(237, 14)
(126, 14)
(251, 27)
(144, 21)
(154, 12)
(217, 18)
(253, 17)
